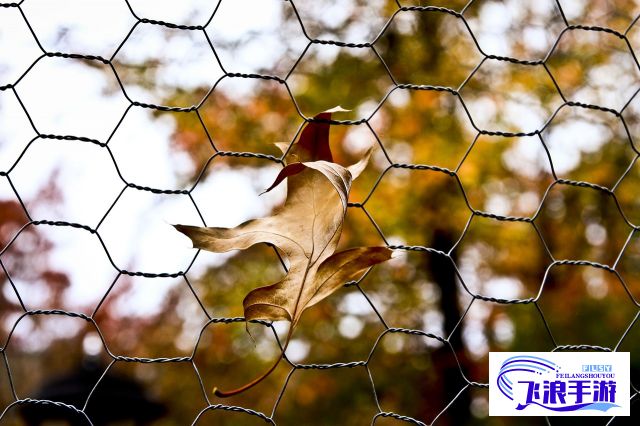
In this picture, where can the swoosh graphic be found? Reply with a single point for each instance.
(600, 406)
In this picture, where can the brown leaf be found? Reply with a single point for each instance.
(306, 229)
(313, 144)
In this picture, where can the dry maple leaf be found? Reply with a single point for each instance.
(306, 229)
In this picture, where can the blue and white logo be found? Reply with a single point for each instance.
(559, 383)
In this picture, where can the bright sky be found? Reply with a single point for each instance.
(67, 97)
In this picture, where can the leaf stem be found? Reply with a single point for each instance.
(226, 394)
(294, 321)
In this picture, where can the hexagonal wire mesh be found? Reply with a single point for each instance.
(608, 104)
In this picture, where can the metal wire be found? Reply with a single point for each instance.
(284, 82)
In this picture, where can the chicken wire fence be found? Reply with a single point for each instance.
(79, 411)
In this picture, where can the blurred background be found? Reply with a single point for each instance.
(506, 135)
